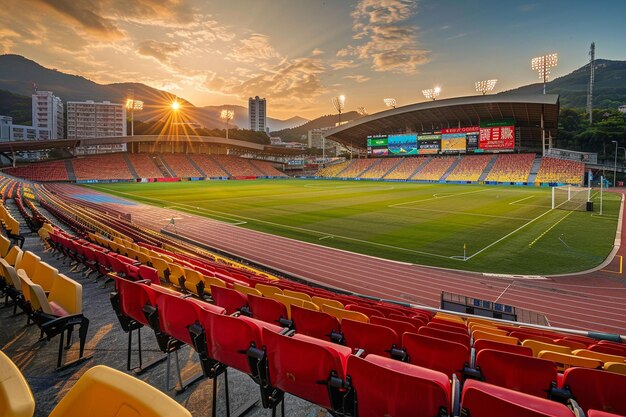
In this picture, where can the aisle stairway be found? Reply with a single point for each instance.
(166, 170)
(488, 168)
(131, 168)
(197, 168)
(71, 175)
(449, 171)
(534, 170)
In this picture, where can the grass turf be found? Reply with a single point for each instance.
(504, 229)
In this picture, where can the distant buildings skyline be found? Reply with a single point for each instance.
(257, 114)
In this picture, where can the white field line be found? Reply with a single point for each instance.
(538, 238)
(200, 210)
(436, 198)
(463, 213)
(523, 199)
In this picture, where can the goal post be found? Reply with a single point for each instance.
(571, 198)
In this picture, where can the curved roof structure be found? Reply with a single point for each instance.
(527, 111)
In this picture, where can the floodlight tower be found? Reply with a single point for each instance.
(592, 58)
(542, 64)
(339, 103)
(133, 105)
(432, 93)
(390, 102)
(227, 115)
(485, 86)
(362, 111)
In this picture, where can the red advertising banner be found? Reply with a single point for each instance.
(499, 137)
(460, 129)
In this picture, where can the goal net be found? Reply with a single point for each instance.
(570, 198)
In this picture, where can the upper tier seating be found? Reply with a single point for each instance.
(332, 170)
(144, 165)
(357, 167)
(469, 168)
(511, 168)
(434, 170)
(44, 171)
(562, 171)
(179, 163)
(237, 167)
(406, 168)
(208, 165)
(267, 169)
(101, 167)
(381, 168)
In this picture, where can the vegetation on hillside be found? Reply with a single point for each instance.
(155, 128)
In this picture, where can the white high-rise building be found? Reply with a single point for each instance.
(48, 114)
(90, 119)
(257, 114)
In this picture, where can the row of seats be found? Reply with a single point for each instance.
(208, 165)
(101, 167)
(180, 164)
(434, 169)
(470, 168)
(44, 171)
(406, 169)
(561, 171)
(10, 225)
(267, 169)
(144, 165)
(511, 168)
(332, 171)
(237, 167)
(357, 167)
(380, 169)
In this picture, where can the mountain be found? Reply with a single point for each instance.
(609, 86)
(296, 133)
(18, 75)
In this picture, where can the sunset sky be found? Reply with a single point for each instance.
(300, 53)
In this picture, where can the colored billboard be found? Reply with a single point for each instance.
(379, 151)
(401, 145)
(496, 138)
(429, 143)
(471, 141)
(377, 141)
(453, 142)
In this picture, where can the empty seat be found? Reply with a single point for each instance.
(597, 390)
(268, 289)
(341, 314)
(604, 357)
(504, 347)
(437, 354)
(106, 392)
(266, 309)
(538, 346)
(231, 300)
(463, 339)
(373, 338)
(314, 323)
(368, 311)
(617, 367)
(16, 399)
(319, 301)
(517, 372)
(565, 360)
(400, 327)
(478, 334)
(381, 386)
(480, 399)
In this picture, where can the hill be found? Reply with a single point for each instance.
(296, 133)
(609, 87)
(19, 74)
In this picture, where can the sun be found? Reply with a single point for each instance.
(175, 105)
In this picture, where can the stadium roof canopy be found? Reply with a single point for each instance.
(190, 141)
(526, 110)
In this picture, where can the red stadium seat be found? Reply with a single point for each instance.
(400, 327)
(315, 323)
(372, 338)
(448, 328)
(522, 373)
(381, 386)
(305, 367)
(594, 389)
(266, 309)
(442, 334)
(503, 347)
(368, 311)
(486, 400)
(437, 354)
(229, 299)
(416, 321)
(611, 349)
(151, 274)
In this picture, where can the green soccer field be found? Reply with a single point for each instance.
(503, 229)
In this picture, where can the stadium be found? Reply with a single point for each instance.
(455, 264)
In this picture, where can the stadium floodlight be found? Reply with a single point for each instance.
(542, 65)
(133, 105)
(390, 102)
(227, 115)
(362, 111)
(339, 103)
(485, 86)
(432, 93)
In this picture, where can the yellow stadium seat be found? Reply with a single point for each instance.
(341, 314)
(286, 301)
(67, 294)
(176, 273)
(488, 329)
(28, 263)
(604, 357)
(267, 289)
(16, 398)
(477, 320)
(161, 266)
(297, 294)
(564, 360)
(480, 335)
(537, 347)
(5, 246)
(320, 301)
(617, 367)
(9, 274)
(106, 392)
(450, 317)
(246, 290)
(14, 256)
(44, 275)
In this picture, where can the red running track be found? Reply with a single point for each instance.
(593, 301)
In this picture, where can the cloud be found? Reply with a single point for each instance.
(161, 51)
(385, 38)
(343, 64)
(358, 78)
(255, 47)
(316, 52)
(460, 35)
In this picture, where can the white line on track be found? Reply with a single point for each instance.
(523, 199)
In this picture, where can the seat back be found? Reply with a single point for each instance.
(597, 390)
(373, 338)
(400, 327)
(300, 364)
(341, 314)
(67, 294)
(104, 391)
(133, 296)
(503, 347)
(617, 367)
(28, 263)
(297, 294)
(448, 328)
(478, 334)
(34, 294)
(246, 290)
(14, 256)
(16, 398)
(538, 346)
(313, 323)
(604, 357)
(9, 274)
(437, 354)
(368, 311)
(445, 335)
(267, 289)
(44, 275)
(417, 321)
(229, 299)
(565, 360)
(266, 309)
(386, 387)
(517, 372)
(320, 301)
(146, 272)
(176, 314)
(480, 399)
(5, 246)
